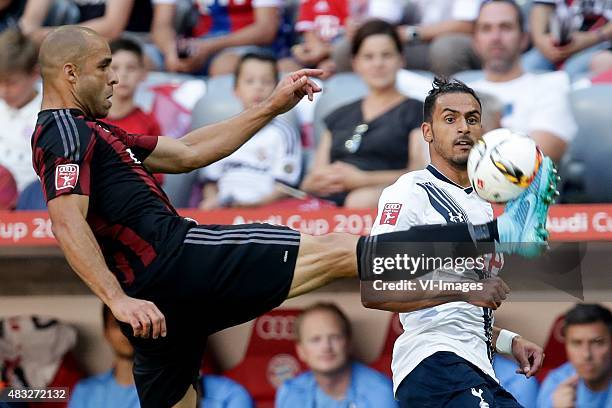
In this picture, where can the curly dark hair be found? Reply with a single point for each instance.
(441, 86)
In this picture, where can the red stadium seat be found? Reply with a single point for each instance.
(270, 358)
(383, 362)
(554, 349)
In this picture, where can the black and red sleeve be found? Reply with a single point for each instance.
(141, 145)
(63, 147)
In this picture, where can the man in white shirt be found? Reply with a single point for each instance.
(537, 105)
(443, 358)
(19, 104)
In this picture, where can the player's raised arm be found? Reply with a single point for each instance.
(83, 253)
(214, 142)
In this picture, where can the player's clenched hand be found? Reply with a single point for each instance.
(292, 88)
(529, 355)
(144, 317)
(565, 394)
(494, 292)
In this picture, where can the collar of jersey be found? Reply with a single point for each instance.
(73, 111)
(438, 174)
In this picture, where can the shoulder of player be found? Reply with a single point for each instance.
(406, 183)
(60, 127)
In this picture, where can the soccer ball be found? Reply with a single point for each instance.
(502, 164)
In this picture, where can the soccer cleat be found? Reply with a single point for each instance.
(522, 226)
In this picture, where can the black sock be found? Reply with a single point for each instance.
(462, 239)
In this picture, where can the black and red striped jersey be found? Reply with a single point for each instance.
(131, 217)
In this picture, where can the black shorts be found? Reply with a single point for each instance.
(446, 380)
(224, 275)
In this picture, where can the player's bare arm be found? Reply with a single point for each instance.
(83, 253)
(208, 144)
(528, 355)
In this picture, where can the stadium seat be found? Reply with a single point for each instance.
(270, 358)
(554, 350)
(383, 362)
(339, 90)
(590, 152)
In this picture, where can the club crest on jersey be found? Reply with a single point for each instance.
(390, 213)
(66, 176)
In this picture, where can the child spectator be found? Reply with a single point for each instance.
(128, 63)
(20, 102)
(248, 176)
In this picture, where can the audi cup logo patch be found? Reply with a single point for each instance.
(66, 176)
(390, 213)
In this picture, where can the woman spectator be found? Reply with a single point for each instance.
(369, 143)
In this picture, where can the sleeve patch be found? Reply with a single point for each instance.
(390, 213)
(66, 176)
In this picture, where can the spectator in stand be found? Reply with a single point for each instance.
(10, 12)
(440, 40)
(110, 18)
(369, 143)
(523, 389)
(20, 102)
(115, 388)
(321, 24)
(585, 381)
(8, 190)
(593, 32)
(323, 342)
(248, 176)
(536, 105)
(128, 64)
(225, 30)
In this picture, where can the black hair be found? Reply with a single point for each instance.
(514, 4)
(375, 27)
(443, 86)
(126, 44)
(585, 313)
(259, 56)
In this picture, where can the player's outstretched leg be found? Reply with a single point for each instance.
(522, 226)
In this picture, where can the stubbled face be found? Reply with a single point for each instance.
(455, 127)
(378, 61)
(323, 346)
(17, 89)
(95, 81)
(118, 342)
(256, 82)
(130, 72)
(497, 37)
(589, 349)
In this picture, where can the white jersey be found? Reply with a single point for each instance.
(428, 197)
(248, 175)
